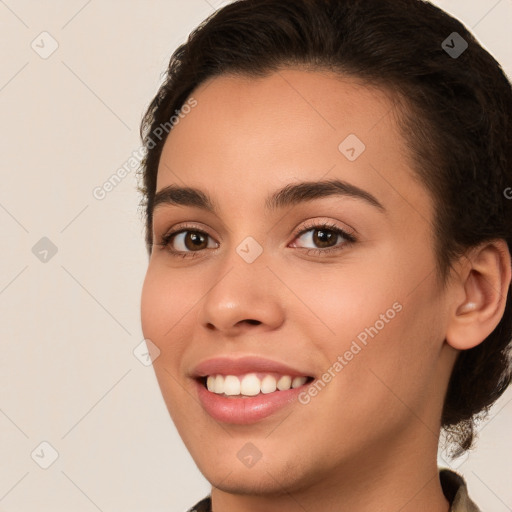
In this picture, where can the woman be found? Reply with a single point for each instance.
(329, 232)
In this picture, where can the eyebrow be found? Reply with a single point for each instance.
(290, 195)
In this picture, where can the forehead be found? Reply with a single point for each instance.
(248, 136)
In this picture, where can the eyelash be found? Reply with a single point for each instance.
(166, 239)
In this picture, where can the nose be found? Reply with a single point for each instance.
(245, 297)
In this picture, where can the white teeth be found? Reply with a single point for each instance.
(210, 383)
(268, 384)
(284, 383)
(250, 384)
(298, 381)
(231, 385)
(219, 384)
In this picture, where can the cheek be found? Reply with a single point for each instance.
(380, 322)
(152, 304)
(348, 303)
(389, 362)
(163, 315)
(167, 304)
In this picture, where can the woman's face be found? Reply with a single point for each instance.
(264, 291)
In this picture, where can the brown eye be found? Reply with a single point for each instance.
(188, 240)
(195, 240)
(325, 237)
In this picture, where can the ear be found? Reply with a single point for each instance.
(479, 294)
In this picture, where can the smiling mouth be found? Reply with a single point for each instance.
(251, 384)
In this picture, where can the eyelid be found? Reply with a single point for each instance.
(319, 222)
(184, 226)
(309, 224)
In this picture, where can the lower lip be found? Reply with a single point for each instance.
(242, 411)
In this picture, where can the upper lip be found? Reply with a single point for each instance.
(241, 365)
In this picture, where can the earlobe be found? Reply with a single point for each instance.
(485, 280)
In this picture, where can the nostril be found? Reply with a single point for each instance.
(253, 322)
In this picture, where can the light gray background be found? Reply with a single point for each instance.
(69, 326)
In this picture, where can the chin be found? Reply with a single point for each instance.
(265, 481)
(265, 477)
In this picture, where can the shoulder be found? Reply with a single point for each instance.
(456, 491)
(205, 505)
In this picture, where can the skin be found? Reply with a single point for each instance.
(368, 440)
